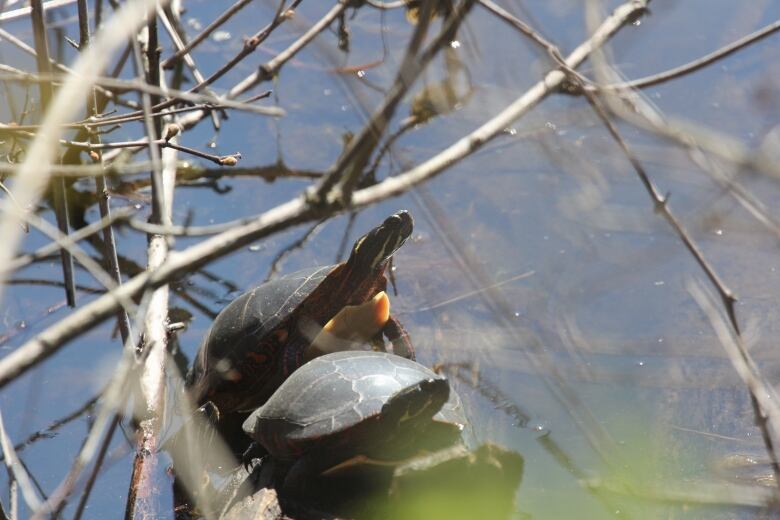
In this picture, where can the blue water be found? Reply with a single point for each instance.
(607, 291)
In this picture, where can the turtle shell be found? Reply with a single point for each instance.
(326, 401)
(248, 318)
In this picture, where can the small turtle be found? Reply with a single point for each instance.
(261, 337)
(350, 408)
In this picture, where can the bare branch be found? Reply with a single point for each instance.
(15, 466)
(153, 350)
(764, 395)
(493, 127)
(210, 28)
(7, 16)
(336, 187)
(295, 212)
(35, 169)
(696, 64)
(58, 193)
(24, 260)
(208, 101)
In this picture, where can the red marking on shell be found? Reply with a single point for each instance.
(257, 357)
(281, 335)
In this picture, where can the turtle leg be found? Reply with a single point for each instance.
(399, 338)
(302, 474)
(305, 468)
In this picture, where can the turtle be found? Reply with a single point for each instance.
(261, 337)
(355, 408)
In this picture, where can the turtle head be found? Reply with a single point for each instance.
(418, 403)
(374, 249)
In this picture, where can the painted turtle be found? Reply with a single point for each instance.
(346, 408)
(263, 335)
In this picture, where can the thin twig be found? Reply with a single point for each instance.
(48, 432)
(660, 204)
(54, 283)
(221, 160)
(99, 459)
(58, 191)
(208, 102)
(343, 176)
(469, 294)
(496, 125)
(297, 244)
(188, 59)
(109, 243)
(293, 212)
(763, 396)
(249, 46)
(518, 24)
(82, 233)
(696, 64)
(726, 295)
(8, 16)
(188, 231)
(280, 16)
(15, 467)
(95, 269)
(5, 35)
(86, 170)
(34, 170)
(267, 71)
(210, 28)
(113, 398)
(632, 108)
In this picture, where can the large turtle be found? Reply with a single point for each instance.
(350, 408)
(261, 337)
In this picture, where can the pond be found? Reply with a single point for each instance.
(551, 289)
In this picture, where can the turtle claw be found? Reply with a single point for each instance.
(254, 451)
(209, 412)
(399, 339)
